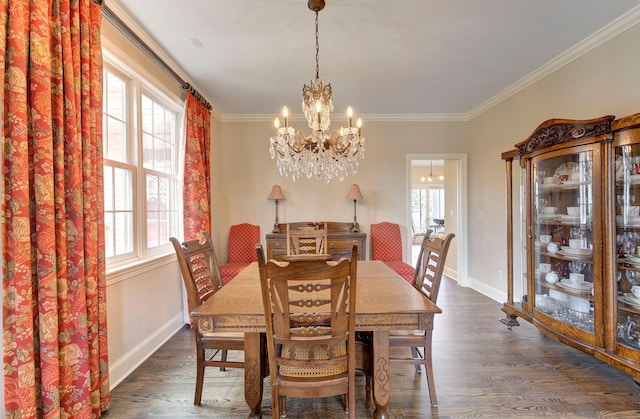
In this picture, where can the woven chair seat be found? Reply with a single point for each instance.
(316, 367)
(225, 335)
(407, 333)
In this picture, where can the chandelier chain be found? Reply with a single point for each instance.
(317, 49)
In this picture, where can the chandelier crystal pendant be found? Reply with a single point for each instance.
(324, 154)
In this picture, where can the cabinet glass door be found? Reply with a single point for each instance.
(627, 180)
(562, 222)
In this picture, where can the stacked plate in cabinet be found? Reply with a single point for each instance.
(630, 220)
(630, 299)
(632, 179)
(573, 219)
(570, 286)
(571, 252)
(633, 260)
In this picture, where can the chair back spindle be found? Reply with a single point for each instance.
(306, 240)
(199, 266)
(430, 265)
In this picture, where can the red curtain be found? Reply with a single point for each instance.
(53, 288)
(197, 184)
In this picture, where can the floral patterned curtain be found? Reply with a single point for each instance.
(197, 186)
(53, 263)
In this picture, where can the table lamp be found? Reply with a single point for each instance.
(276, 195)
(355, 194)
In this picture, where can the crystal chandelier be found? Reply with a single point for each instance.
(324, 154)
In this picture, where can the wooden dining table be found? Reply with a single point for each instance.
(384, 302)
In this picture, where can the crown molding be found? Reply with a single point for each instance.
(616, 27)
(118, 11)
(442, 117)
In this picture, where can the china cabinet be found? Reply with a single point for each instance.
(579, 205)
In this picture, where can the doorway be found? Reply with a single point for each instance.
(437, 200)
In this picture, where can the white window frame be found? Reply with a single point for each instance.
(142, 82)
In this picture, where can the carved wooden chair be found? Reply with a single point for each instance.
(427, 279)
(386, 245)
(306, 241)
(310, 332)
(201, 276)
(241, 249)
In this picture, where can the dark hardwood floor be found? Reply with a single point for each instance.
(482, 370)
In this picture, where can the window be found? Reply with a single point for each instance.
(141, 131)
(419, 209)
(427, 205)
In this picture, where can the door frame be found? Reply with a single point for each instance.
(462, 211)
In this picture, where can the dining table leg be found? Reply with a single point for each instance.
(381, 373)
(253, 373)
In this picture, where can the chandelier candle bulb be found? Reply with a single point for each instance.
(276, 124)
(285, 116)
(318, 110)
(349, 115)
(359, 125)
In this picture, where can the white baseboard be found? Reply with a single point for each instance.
(451, 273)
(495, 294)
(121, 368)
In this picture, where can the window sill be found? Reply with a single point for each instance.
(130, 270)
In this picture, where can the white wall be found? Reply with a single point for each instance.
(248, 173)
(604, 81)
(451, 181)
(144, 309)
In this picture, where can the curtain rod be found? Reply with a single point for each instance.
(126, 30)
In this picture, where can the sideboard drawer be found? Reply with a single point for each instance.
(276, 248)
(339, 248)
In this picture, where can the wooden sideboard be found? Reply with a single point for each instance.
(339, 239)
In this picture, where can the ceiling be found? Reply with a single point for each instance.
(388, 59)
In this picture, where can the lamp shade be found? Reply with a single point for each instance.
(276, 193)
(354, 193)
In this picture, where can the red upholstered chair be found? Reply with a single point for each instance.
(242, 250)
(386, 245)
